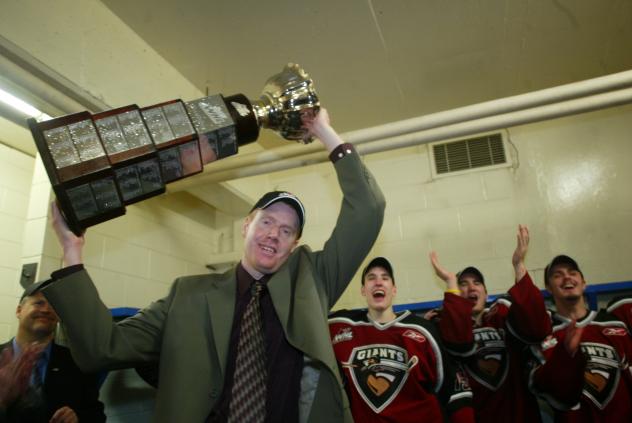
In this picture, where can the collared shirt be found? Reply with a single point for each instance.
(284, 362)
(41, 367)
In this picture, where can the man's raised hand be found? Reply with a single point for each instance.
(522, 246)
(448, 277)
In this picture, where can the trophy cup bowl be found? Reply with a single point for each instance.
(286, 97)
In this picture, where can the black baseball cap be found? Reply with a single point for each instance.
(378, 262)
(471, 270)
(288, 198)
(560, 260)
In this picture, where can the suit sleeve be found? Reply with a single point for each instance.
(97, 342)
(358, 225)
(528, 319)
(456, 326)
(91, 409)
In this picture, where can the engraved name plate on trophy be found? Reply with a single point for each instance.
(176, 140)
(132, 153)
(79, 170)
(215, 127)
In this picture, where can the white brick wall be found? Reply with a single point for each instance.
(134, 259)
(16, 169)
(570, 187)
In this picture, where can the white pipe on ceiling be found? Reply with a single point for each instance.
(536, 114)
(42, 83)
(448, 117)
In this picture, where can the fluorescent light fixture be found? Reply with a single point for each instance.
(22, 106)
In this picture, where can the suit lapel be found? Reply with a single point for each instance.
(53, 371)
(54, 362)
(280, 292)
(221, 308)
(298, 309)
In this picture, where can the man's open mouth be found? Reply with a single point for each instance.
(267, 249)
(379, 293)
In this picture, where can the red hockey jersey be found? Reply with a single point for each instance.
(397, 372)
(495, 352)
(599, 378)
(621, 308)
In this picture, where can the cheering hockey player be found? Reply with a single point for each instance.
(494, 343)
(585, 373)
(393, 364)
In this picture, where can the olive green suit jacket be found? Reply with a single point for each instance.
(188, 331)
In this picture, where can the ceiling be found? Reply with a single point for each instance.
(379, 61)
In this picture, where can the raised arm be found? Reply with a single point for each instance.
(445, 275)
(319, 126)
(455, 325)
(528, 318)
(71, 244)
(95, 340)
(522, 246)
(361, 212)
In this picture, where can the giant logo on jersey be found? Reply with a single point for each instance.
(379, 372)
(490, 364)
(602, 374)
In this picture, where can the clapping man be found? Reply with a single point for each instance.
(494, 343)
(57, 391)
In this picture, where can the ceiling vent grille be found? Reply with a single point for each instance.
(457, 156)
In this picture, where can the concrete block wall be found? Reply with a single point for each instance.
(569, 184)
(16, 169)
(134, 259)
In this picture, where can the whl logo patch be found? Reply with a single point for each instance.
(379, 372)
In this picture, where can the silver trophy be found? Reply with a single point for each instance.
(286, 96)
(98, 164)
